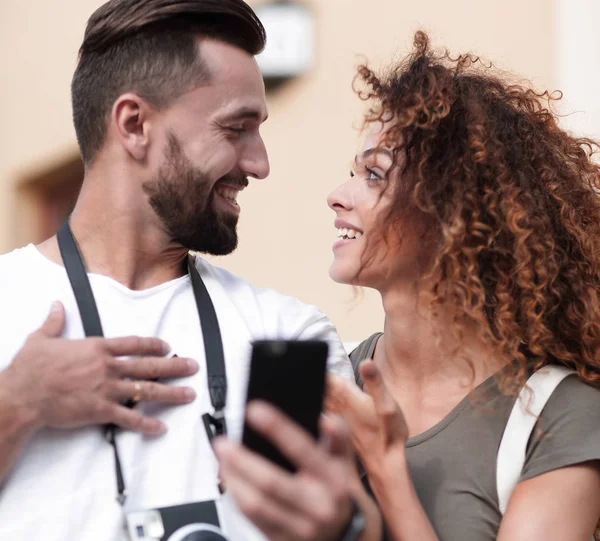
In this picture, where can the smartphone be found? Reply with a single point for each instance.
(289, 374)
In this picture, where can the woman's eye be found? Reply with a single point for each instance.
(372, 175)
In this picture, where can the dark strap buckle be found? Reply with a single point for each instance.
(215, 424)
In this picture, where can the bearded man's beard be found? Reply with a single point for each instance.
(183, 198)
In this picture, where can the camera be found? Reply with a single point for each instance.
(190, 522)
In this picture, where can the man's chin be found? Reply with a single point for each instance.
(216, 246)
(218, 252)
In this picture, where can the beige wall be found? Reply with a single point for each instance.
(578, 64)
(286, 228)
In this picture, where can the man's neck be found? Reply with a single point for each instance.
(120, 239)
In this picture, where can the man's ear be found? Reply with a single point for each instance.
(131, 119)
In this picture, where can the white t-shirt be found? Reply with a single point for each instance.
(63, 485)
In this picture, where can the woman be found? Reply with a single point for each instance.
(478, 220)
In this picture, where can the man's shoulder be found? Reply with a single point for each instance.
(227, 279)
(25, 297)
(268, 314)
(16, 256)
(16, 264)
(27, 281)
(261, 298)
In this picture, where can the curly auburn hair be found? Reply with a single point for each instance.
(508, 200)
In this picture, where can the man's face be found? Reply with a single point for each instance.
(209, 145)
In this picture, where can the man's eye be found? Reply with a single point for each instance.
(236, 130)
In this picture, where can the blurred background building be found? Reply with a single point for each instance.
(286, 229)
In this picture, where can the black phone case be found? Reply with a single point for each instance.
(291, 376)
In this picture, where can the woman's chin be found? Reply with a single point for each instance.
(342, 274)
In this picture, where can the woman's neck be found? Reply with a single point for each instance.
(427, 365)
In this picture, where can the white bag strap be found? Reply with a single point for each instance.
(524, 415)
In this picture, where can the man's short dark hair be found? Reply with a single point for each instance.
(150, 47)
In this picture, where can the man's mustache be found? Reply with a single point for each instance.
(234, 179)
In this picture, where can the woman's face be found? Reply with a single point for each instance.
(360, 204)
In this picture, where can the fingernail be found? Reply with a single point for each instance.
(192, 365)
(217, 446)
(189, 394)
(258, 412)
(165, 348)
(55, 306)
(161, 428)
(369, 370)
(222, 447)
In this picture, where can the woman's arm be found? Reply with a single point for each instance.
(563, 504)
(379, 433)
(402, 511)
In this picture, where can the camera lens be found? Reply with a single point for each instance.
(198, 532)
(203, 536)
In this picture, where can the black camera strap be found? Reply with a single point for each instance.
(215, 424)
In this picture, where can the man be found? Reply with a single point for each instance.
(167, 105)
